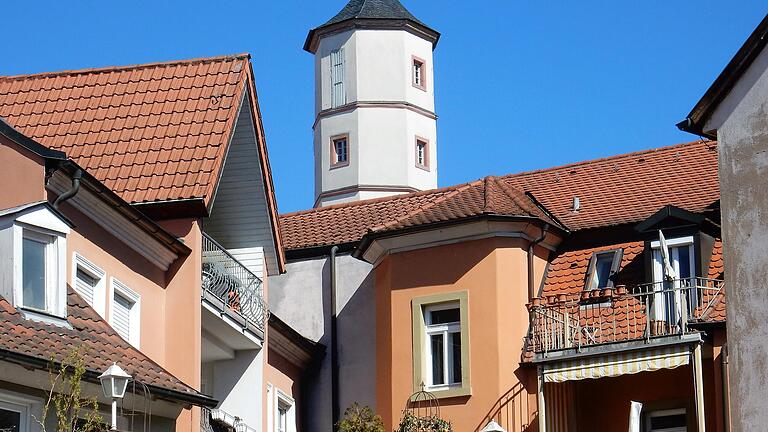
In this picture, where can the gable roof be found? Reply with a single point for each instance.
(153, 133)
(383, 14)
(725, 82)
(612, 191)
(36, 344)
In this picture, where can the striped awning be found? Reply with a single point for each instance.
(616, 364)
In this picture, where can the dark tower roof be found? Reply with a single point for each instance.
(372, 14)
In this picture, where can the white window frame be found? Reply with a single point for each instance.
(55, 268)
(663, 413)
(99, 291)
(134, 337)
(447, 355)
(660, 313)
(282, 399)
(26, 406)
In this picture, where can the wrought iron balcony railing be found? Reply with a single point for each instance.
(621, 314)
(216, 420)
(232, 284)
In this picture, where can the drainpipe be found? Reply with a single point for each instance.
(334, 344)
(726, 388)
(72, 191)
(533, 244)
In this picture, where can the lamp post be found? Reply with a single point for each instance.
(492, 426)
(114, 381)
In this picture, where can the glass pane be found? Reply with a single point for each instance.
(444, 316)
(684, 254)
(455, 358)
(436, 347)
(33, 271)
(602, 271)
(668, 422)
(10, 421)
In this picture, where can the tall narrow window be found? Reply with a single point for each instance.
(35, 268)
(339, 151)
(338, 94)
(422, 153)
(125, 313)
(443, 331)
(418, 73)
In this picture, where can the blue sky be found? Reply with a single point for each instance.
(520, 85)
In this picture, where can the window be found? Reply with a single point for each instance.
(89, 283)
(17, 411)
(338, 94)
(339, 151)
(441, 345)
(418, 73)
(282, 415)
(40, 267)
(666, 421)
(670, 289)
(602, 269)
(422, 153)
(282, 418)
(125, 314)
(443, 330)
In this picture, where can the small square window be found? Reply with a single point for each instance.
(339, 151)
(422, 153)
(418, 73)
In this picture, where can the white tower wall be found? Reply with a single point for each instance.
(383, 116)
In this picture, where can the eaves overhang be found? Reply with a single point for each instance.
(696, 120)
(313, 38)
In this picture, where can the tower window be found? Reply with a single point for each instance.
(422, 153)
(339, 151)
(338, 94)
(419, 69)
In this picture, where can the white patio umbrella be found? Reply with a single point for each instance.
(669, 271)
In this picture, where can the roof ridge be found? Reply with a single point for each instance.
(607, 158)
(104, 69)
(427, 206)
(521, 199)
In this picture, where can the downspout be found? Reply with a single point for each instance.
(334, 344)
(726, 388)
(78, 174)
(531, 279)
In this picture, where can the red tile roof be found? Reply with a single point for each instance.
(153, 132)
(99, 344)
(612, 191)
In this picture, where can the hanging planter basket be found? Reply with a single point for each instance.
(422, 414)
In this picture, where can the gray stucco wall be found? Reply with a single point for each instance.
(301, 298)
(743, 158)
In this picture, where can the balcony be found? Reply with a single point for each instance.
(610, 317)
(231, 291)
(216, 420)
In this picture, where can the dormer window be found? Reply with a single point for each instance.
(602, 268)
(32, 260)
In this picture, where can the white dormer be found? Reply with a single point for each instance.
(33, 245)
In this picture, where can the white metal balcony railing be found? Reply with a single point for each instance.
(620, 314)
(216, 420)
(229, 281)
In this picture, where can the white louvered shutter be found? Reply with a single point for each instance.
(338, 95)
(121, 315)
(85, 285)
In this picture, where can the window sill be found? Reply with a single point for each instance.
(423, 167)
(339, 165)
(43, 317)
(451, 392)
(422, 88)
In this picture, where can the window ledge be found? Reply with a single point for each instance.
(44, 317)
(451, 392)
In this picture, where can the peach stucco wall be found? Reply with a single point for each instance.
(494, 274)
(283, 375)
(22, 177)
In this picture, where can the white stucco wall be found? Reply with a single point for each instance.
(742, 124)
(382, 140)
(301, 298)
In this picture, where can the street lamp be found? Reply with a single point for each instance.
(114, 381)
(492, 426)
